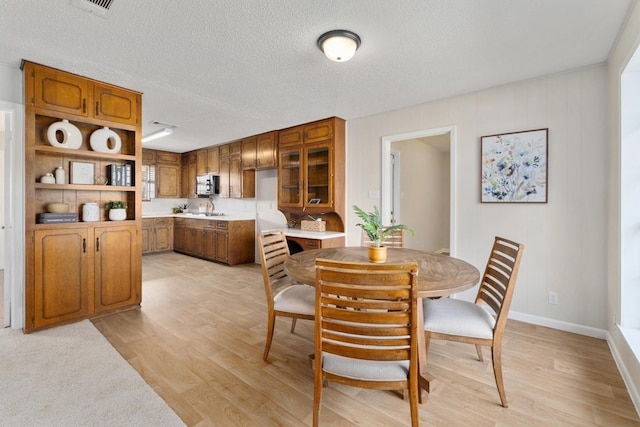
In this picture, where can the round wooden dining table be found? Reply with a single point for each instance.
(438, 276)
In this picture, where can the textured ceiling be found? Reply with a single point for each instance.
(222, 70)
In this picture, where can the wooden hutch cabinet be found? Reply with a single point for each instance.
(77, 269)
(311, 168)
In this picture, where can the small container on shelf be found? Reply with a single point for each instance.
(61, 176)
(90, 212)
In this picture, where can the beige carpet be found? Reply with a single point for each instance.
(72, 376)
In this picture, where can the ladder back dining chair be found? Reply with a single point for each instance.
(394, 240)
(366, 332)
(284, 297)
(469, 322)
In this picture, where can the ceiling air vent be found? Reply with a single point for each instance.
(94, 7)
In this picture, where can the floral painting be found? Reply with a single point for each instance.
(514, 167)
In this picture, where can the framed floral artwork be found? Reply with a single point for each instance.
(514, 167)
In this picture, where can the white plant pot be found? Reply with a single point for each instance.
(117, 214)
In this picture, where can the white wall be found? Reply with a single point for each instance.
(628, 362)
(564, 238)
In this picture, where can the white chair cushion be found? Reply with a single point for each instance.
(296, 299)
(457, 317)
(365, 369)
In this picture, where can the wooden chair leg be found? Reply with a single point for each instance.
(479, 351)
(293, 324)
(318, 380)
(496, 357)
(271, 323)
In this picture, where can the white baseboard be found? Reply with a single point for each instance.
(559, 324)
(630, 381)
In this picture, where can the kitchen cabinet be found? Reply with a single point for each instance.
(163, 174)
(64, 92)
(228, 242)
(266, 150)
(63, 280)
(311, 168)
(297, 244)
(117, 267)
(249, 146)
(60, 276)
(157, 235)
(188, 175)
(213, 160)
(259, 151)
(233, 183)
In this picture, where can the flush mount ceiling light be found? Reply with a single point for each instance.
(157, 134)
(339, 45)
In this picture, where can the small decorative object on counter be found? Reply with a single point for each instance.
(61, 175)
(180, 208)
(90, 212)
(105, 141)
(48, 178)
(71, 136)
(100, 180)
(317, 225)
(117, 210)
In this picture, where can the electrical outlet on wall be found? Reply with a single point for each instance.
(553, 297)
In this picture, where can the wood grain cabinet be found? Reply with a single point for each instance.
(164, 173)
(64, 92)
(228, 242)
(157, 235)
(188, 175)
(68, 271)
(311, 167)
(117, 267)
(267, 150)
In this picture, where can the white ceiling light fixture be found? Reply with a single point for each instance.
(157, 134)
(339, 45)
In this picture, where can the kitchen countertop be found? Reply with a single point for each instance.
(319, 235)
(226, 217)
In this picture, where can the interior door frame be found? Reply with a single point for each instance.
(13, 202)
(386, 193)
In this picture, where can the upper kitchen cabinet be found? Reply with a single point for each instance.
(249, 153)
(311, 167)
(266, 151)
(161, 174)
(64, 92)
(208, 161)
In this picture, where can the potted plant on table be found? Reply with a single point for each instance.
(117, 210)
(377, 233)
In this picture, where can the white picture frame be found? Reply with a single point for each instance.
(81, 173)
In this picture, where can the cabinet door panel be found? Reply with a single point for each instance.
(290, 178)
(113, 104)
(163, 238)
(213, 160)
(222, 246)
(61, 267)
(210, 244)
(168, 178)
(266, 150)
(60, 91)
(117, 267)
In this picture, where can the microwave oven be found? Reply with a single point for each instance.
(207, 185)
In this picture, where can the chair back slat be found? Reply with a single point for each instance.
(366, 311)
(274, 251)
(394, 240)
(496, 289)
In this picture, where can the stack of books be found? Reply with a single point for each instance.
(48, 218)
(120, 174)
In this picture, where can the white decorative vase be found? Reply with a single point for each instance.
(117, 214)
(90, 212)
(105, 141)
(71, 136)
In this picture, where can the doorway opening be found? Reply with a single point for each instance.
(418, 187)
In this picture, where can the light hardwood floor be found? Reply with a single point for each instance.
(199, 336)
